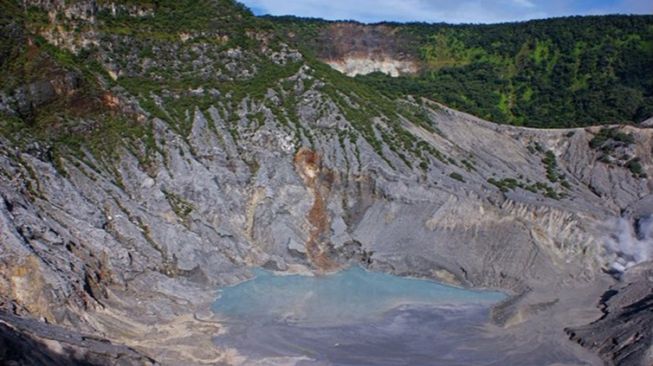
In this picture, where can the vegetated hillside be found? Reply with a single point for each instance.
(62, 78)
(76, 82)
(560, 72)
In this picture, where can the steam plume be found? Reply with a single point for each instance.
(631, 243)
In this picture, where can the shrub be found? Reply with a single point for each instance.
(635, 167)
(551, 166)
(457, 177)
(606, 135)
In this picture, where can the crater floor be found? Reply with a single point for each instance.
(357, 317)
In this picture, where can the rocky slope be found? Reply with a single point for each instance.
(143, 168)
(622, 335)
(357, 49)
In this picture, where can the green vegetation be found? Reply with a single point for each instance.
(457, 177)
(636, 168)
(469, 165)
(183, 56)
(167, 89)
(172, 17)
(551, 164)
(562, 72)
(609, 138)
(376, 117)
(77, 116)
(611, 142)
(508, 184)
(180, 206)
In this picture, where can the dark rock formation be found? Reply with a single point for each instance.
(624, 334)
(30, 342)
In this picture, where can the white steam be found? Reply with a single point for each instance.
(630, 244)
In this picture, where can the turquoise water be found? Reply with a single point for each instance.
(346, 297)
(361, 318)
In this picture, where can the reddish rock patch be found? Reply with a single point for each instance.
(318, 180)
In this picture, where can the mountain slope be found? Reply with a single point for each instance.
(563, 72)
(154, 152)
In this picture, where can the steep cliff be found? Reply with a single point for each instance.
(153, 152)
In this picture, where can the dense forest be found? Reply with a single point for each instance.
(560, 72)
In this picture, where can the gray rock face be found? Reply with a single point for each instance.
(624, 334)
(79, 243)
(298, 179)
(647, 123)
(30, 342)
